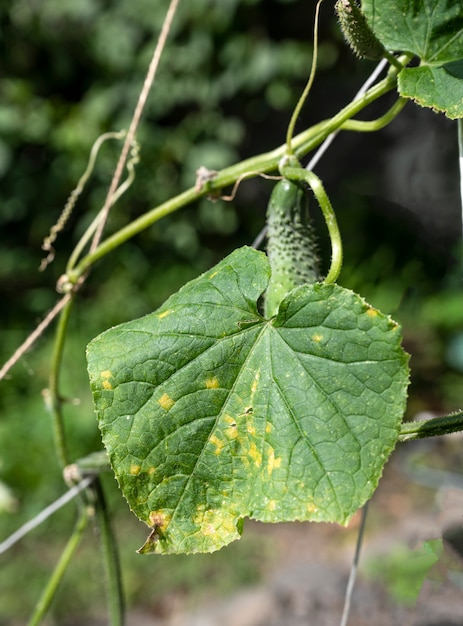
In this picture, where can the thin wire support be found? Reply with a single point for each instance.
(354, 568)
(45, 514)
(363, 89)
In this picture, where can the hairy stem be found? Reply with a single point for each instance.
(361, 126)
(53, 398)
(50, 590)
(393, 60)
(434, 427)
(111, 558)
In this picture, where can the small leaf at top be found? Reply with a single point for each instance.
(433, 31)
(211, 413)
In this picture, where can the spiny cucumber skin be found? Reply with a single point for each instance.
(357, 31)
(291, 246)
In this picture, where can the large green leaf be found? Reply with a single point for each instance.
(211, 413)
(433, 31)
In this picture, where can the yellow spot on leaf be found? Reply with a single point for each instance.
(151, 471)
(212, 383)
(198, 518)
(166, 402)
(255, 382)
(255, 455)
(372, 312)
(251, 428)
(228, 419)
(268, 427)
(317, 338)
(272, 505)
(135, 470)
(164, 314)
(218, 443)
(159, 519)
(231, 432)
(105, 382)
(273, 463)
(208, 530)
(213, 275)
(205, 520)
(212, 521)
(311, 508)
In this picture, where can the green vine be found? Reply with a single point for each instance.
(110, 557)
(264, 163)
(55, 579)
(54, 400)
(307, 88)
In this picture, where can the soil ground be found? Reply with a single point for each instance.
(306, 583)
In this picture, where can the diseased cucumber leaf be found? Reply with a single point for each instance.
(433, 31)
(211, 414)
(439, 88)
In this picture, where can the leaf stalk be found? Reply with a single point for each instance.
(434, 427)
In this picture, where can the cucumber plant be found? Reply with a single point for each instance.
(212, 411)
(262, 389)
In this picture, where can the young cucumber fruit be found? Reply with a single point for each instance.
(291, 246)
(356, 30)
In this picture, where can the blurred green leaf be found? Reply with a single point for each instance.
(404, 570)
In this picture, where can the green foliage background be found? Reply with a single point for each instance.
(231, 74)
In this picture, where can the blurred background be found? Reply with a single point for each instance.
(228, 81)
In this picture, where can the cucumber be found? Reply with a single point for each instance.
(357, 31)
(291, 246)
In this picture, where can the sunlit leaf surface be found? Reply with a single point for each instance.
(211, 413)
(433, 31)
